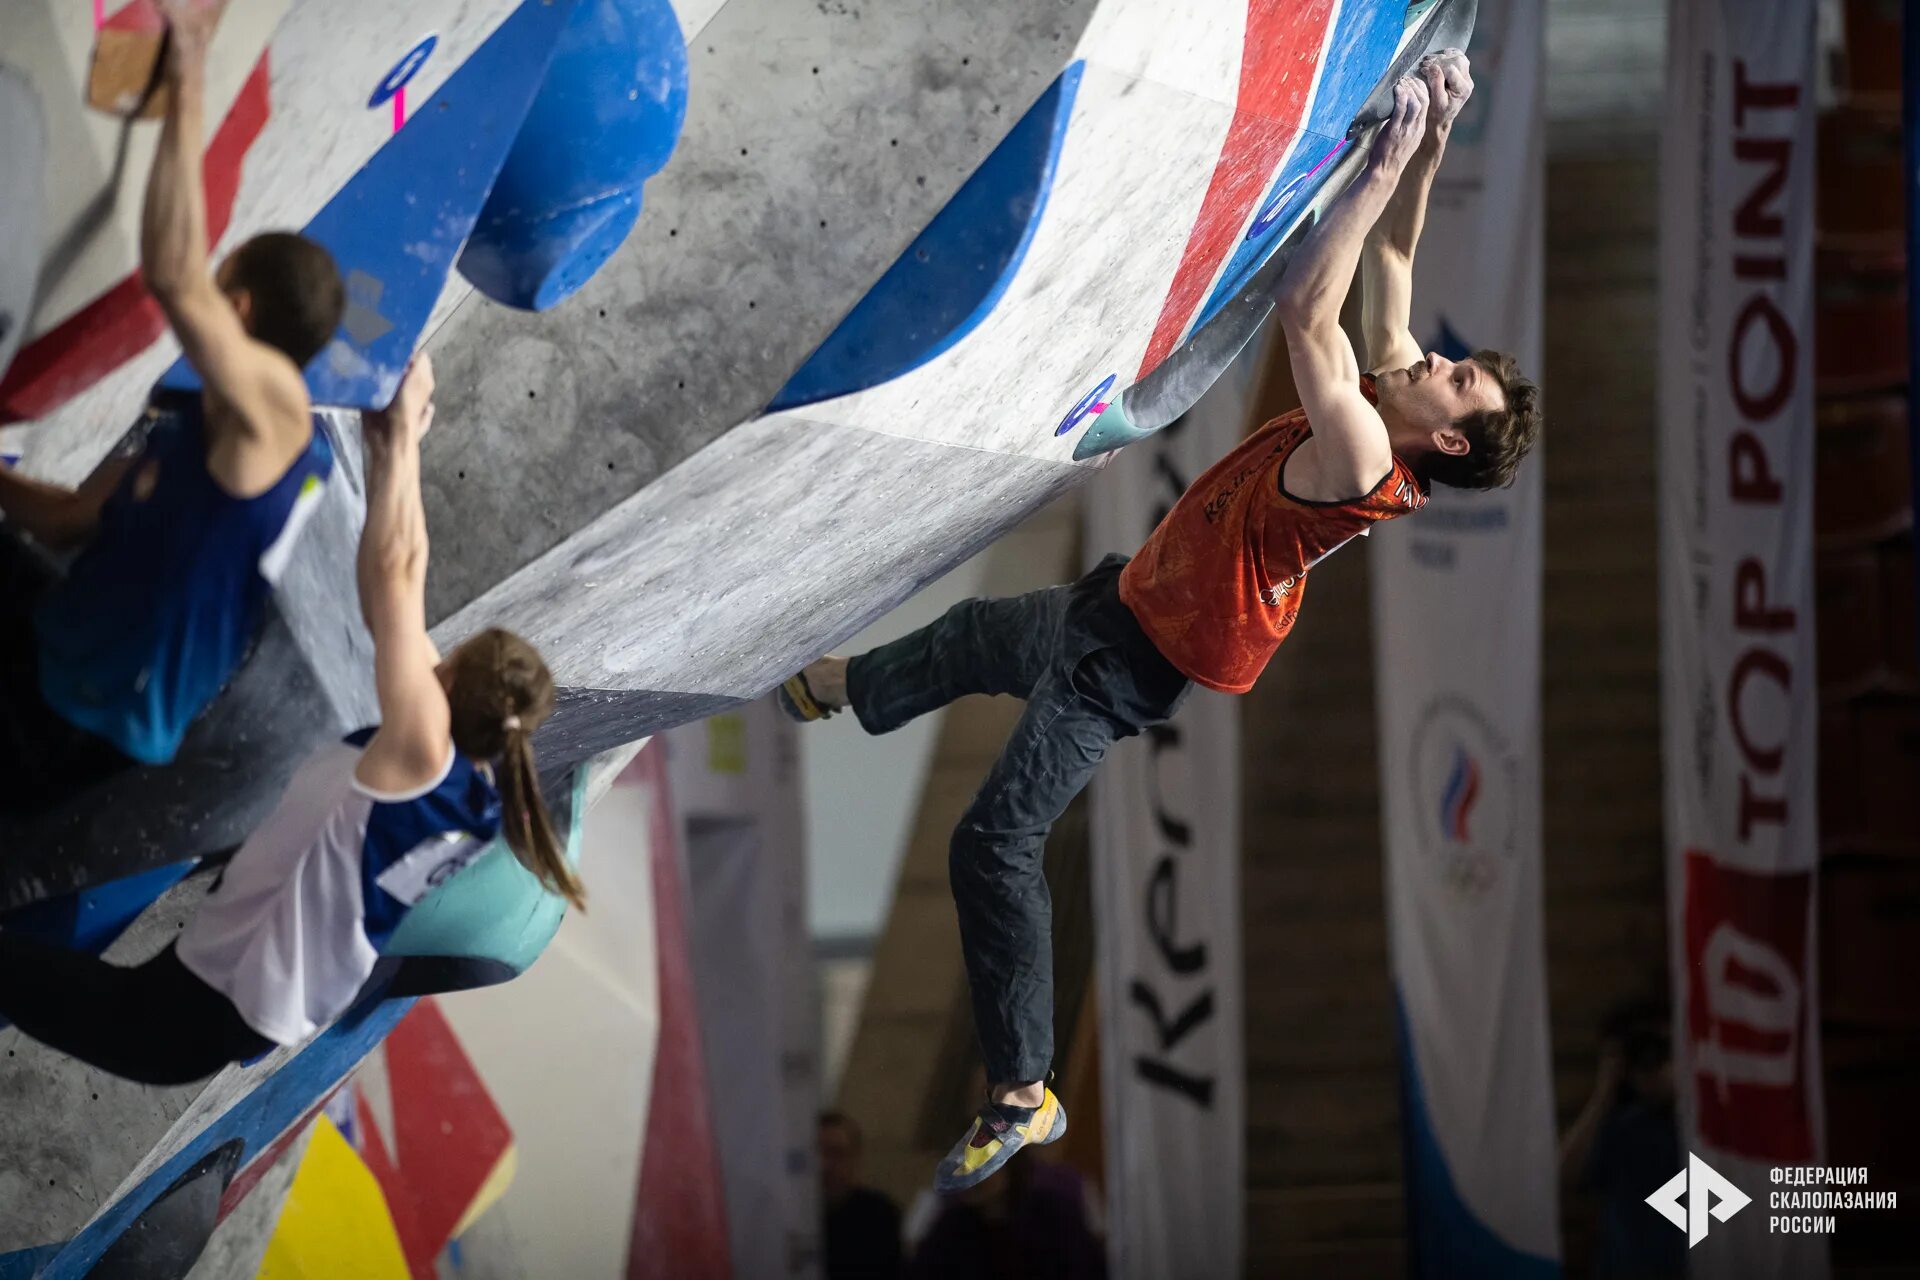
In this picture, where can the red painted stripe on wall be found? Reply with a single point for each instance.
(125, 320)
(1278, 63)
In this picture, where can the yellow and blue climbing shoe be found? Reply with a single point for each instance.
(796, 698)
(996, 1133)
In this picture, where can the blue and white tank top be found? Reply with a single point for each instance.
(293, 929)
(157, 612)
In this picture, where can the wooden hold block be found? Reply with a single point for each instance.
(126, 78)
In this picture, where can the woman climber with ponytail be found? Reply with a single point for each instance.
(368, 827)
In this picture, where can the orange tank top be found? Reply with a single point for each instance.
(1219, 581)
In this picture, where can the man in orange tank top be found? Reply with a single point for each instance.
(1206, 601)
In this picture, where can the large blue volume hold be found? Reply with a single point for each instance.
(955, 272)
(606, 119)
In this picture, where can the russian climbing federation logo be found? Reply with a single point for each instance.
(1695, 1194)
(1462, 774)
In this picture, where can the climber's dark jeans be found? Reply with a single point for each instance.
(1090, 677)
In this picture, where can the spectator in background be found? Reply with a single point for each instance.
(862, 1225)
(1626, 1145)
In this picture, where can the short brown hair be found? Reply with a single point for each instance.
(298, 297)
(1497, 439)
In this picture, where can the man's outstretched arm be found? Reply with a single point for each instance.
(1386, 263)
(259, 382)
(1349, 451)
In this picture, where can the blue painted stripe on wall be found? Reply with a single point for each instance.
(955, 272)
(93, 917)
(1358, 53)
(257, 1119)
(25, 1264)
(1444, 1238)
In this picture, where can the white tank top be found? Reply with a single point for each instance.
(291, 932)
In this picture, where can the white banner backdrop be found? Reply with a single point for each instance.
(736, 788)
(1456, 615)
(1739, 703)
(1166, 871)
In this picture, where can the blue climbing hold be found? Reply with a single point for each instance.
(606, 119)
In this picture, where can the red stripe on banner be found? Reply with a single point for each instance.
(1277, 68)
(679, 1215)
(1749, 997)
(125, 320)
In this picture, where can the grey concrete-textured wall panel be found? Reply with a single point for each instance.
(775, 542)
(1132, 169)
(589, 722)
(71, 1134)
(789, 194)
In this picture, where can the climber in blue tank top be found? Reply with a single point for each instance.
(292, 934)
(179, 541)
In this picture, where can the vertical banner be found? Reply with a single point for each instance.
(1166, 872)
(1456, 618)
(680, 1227)
(1739, 703)
(736, 787)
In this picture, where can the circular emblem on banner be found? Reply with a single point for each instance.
(404, 70)
(1091, 405)
(1465, 798)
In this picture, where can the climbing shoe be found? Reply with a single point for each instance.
(796, 699)
(997, 1132)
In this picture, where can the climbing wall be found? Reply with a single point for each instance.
(861, 277)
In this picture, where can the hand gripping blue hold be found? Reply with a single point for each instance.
(607, 118)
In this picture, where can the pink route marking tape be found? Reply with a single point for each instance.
(99, 14)
(399, 106)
